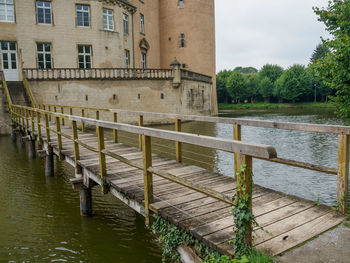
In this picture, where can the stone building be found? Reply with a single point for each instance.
(51, 35)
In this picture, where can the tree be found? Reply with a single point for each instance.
(266, 89)
(221, 90)
(334, 67)
(247, 70)
(272, 73)
(237, 86)
(252, 86)
(319, 53)
(294, 83)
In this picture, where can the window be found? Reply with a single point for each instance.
(127, 58)
(83, 15)
(126, 24)
(9, 57)
(182, 40)
(44, 55)
(43, 12)
(143, 60)
(181, 4)
(108, 19)
(84, 56)
(7, 11)
(142, 23)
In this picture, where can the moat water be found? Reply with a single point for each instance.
(40, 220)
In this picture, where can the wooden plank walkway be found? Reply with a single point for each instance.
(288, 221)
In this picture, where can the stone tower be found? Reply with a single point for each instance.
(187, 32)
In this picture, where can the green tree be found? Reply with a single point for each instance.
(247, 70)
(319, 53)
(334, 68)
(266, 89)
(252, 86)
(237, 86)
(294, 83)
(272, 73)
(221, 90)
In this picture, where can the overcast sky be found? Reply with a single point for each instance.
(256, 32)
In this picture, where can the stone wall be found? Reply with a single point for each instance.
(191, 97)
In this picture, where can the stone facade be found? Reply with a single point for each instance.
(191, 97)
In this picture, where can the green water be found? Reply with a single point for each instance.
(40, 220)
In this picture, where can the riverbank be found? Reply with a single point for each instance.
(261, 105)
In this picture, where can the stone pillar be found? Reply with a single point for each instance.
(85, 201)
(49, 162)
(175, 65)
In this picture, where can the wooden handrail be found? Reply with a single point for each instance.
(4, 85)
(306, 127)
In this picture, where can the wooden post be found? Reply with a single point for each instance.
(82, 123)
(102, 157)
(27, 121)
(115, 132)
(140, 136)
(62, 111)
(59, 137)
(245, 189)
(49, 162)
(38, 119)
(85, 201)
(76, 149)
(33, 125)
(31, 149)
(49, 109)
(343, 172)
(178, 145)
(237, 135)
(147, 176)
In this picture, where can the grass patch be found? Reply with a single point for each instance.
(347, 224)
(260, 105)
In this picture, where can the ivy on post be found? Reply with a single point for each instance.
(237, 135)
(242, 211)
(343, 172)
(147, 176)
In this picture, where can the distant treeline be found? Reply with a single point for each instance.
(271, 84)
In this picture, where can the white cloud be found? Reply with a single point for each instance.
(256, 32)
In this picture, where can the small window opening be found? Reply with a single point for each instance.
(114, 96)
(139, 96)
(86, 97)
(162, 96)
(182, 40)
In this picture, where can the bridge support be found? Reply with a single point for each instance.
(31, 149)
(49, 162)
(84, 193)
(13, 134)
(22, 141)
(85, 201)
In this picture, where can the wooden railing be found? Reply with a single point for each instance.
(4, 86)
(96, 73)
(39, 119)
(342, 170)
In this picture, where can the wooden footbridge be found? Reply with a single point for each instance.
(196, 200)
